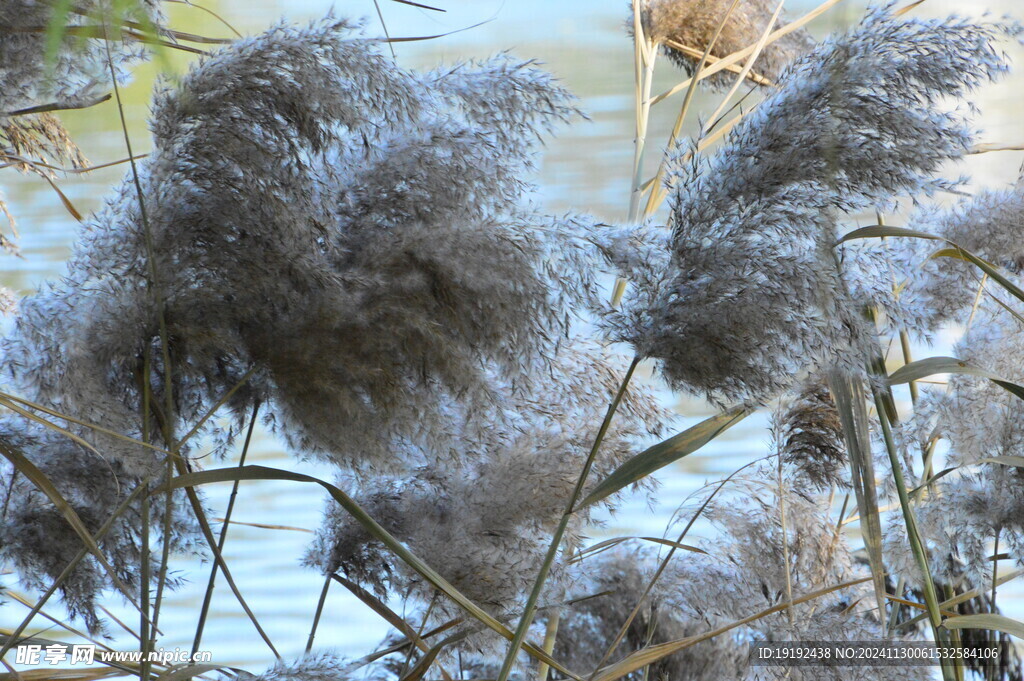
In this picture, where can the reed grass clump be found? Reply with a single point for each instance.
(938, 291)
(981, 424)
(610, 585)
(356, 310)
(775, 540)
(370, 320)
(349, 250)
(36, 539)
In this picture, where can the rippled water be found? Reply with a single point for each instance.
(586, 168)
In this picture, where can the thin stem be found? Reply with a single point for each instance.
(735, 57)
(531, 604)
(165, 553)
(150, 251)
(624, 629)
(208, 596)
(745, 71)
(144, 645)
(319, 611)
(645, 52)
(144, 639)
(643, 118)
(907, 359)
(992, 670)
(419, 634)
(204, 526)
(785, 543)
(995, 568)
(383, 24)
(657, 194)
(550, 636)
(144, 630)
(211, 13)
(10, 492)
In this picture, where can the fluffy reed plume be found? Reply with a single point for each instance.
(979, 420)
(41, 137)
(327, 244)
(8, 299)
(484, 519)
(35, 539)
(755, 558)
(356, 233)
(610, 586)
(749, 296)
(274, 248)
(321, 666)
(681, 24)
(30, 140)
(809, 436)
(80, 72)
(942, 290)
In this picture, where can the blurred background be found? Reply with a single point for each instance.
(586, 168)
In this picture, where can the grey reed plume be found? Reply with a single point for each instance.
(744, 295)
(692, 24)
(308, 212)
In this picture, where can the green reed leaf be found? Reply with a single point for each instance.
(667, 452)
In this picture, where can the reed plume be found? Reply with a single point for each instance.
(485, 515)
(680, 24)
(747, 296)
(299, 238)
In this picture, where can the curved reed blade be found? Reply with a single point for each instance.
(416, 4)
(956, 251)
(190, 480)
(987, 621)
(667, 452)
(850, 402)
(390, 616)
(924, 368)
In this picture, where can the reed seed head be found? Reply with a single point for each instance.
(685, 29)
(750, 296)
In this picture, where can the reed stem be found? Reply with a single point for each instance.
(319, 611)
(208, 595)
(531, 604)
(931, 597)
